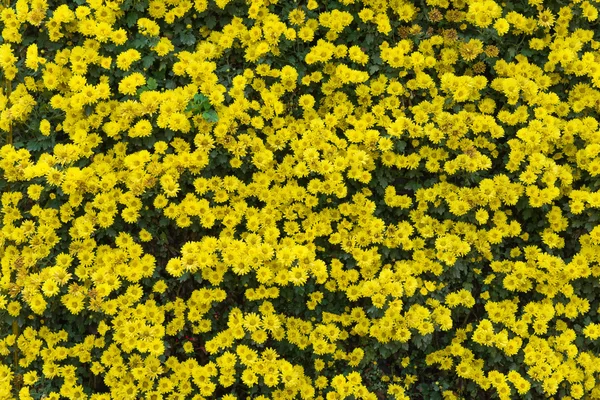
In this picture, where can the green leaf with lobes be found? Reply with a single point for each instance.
(210, 116)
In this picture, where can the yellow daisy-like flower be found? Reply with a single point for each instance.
(145, 236)
(30, 378)
(298, 276)
(163, 47)
(119, 36)
(159, 287)
(129, 84)
(45, 127)
(188, 347)
(545, 19)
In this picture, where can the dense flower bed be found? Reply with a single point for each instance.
(353, 199)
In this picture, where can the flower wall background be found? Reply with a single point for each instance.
(287, 199)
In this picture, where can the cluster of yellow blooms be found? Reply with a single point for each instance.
(383, 182)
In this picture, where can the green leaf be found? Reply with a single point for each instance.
(211, 22)
(27, 40)
(151, 84)
(193, 107)
(141, 5)
(400, 146)
(131, 18)
(148, 60)
(512, 51)
(199, 98)
(139, 42)
(187, 39)
(210, 116)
